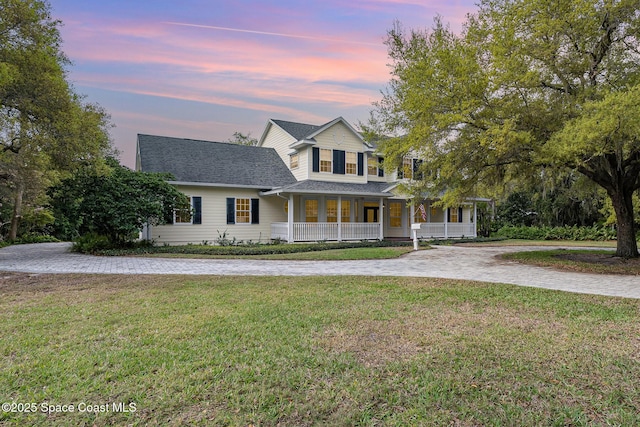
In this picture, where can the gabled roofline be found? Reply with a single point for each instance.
(264, 132)
(333, 122)
(309, 139)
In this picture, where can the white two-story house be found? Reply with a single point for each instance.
(301, 183)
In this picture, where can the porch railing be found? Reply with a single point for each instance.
(446, 230)
(317, 231)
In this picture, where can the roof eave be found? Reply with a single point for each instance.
(214, 184)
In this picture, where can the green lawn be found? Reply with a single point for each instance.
(315, 351)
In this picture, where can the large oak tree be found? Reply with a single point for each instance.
(529, 86)
(46, 129)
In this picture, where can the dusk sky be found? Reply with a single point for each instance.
(206, 69)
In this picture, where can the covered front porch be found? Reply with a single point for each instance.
(319, 211)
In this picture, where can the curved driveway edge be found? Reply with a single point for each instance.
(450, 262)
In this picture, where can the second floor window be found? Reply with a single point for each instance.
(294, 161)
(325, 160)
(351, 163)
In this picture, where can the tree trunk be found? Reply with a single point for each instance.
(17, 212)
(623, 205)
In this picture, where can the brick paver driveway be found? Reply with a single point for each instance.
(452, 262)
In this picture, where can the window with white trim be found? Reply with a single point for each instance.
(351, 167)
(346, 211)
(311, 210)
(332, 210)
(294, 161)
(243, 211)
(190, 215)
(372, 166)
(325, 160)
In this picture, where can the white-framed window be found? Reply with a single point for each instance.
(372, 166)
(294, 161)
(311, 210)
(351, 163)
(326, 160)
(407, 168)
(243, 211)
(346, 211)
(332, 210)
(190, 215)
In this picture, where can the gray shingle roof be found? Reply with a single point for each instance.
(296, 130)
(190, 160)
(309, 186)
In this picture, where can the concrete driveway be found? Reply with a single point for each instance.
(452, 262)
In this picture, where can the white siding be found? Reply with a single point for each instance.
(339, 137)
(279, 140)
(214, 218)
(302, 171)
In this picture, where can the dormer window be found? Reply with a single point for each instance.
(294, 161)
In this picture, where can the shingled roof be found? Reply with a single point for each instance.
(297, 130)
(196, 161)
(377, 189)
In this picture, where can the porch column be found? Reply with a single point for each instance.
(412, 218)
(339, 214)
(381, 217)
(290, 237)
(475, 219)
(446, 223)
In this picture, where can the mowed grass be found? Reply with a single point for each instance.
(315, 351)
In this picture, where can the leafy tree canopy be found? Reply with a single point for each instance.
(115, 203)
(529, 86)
(242, 139)
(46, 129)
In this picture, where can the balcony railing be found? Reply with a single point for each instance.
(317, 231)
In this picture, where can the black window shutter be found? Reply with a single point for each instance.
(380, 170)
(255, 211)
(338, 161)
(448, 214)
(416, 169)
(316, 158)
(360, 164)
(231, 210)
(197, 210)
(460, 214)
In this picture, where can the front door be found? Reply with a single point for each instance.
(371, 214)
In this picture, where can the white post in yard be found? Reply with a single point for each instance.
(290, 237)
(414, 230)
